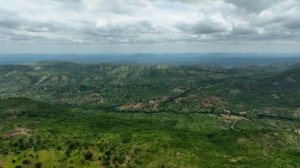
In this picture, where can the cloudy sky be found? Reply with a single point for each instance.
(149, 26)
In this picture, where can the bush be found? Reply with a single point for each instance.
(58, 148)
(26, 162)
(68, 152)
(38, 165)
(88, 156)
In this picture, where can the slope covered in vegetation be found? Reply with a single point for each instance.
(56, 114)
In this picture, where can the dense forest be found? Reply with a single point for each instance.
(63, 114)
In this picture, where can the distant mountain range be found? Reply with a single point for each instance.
(224, 59)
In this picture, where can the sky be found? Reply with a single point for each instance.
(149, 26)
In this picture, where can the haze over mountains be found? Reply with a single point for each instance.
(229, 59)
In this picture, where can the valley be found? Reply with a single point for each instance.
(63, 114)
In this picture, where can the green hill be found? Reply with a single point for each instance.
(24, 107)
(287, 78)
(57, 114)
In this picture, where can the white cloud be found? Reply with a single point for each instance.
(149, 22)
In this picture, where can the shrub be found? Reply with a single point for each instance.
(26, 162)
(88, 156)
(38, 165)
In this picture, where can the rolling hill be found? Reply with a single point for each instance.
(57, 114)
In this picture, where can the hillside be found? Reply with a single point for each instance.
(95, 138)
(57, 114)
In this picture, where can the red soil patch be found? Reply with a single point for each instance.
(1, 164)
(211, 101)
(232, 117)
(16, 131)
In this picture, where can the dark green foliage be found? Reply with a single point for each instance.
(88, 155)
(26, 161)
(38, 165)
(83, 115)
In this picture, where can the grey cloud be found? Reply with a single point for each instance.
(248, 30)
(203, 27)
(19, 38)
(293, 25)
(123, 28)
(8, 23)
(291, 22)
(147, 22)
(137, 32)
(25, 25)
(253, 5)
(68, 1)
